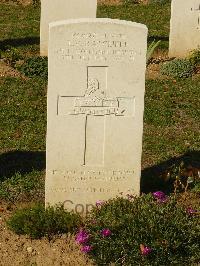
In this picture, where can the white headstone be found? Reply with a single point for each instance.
(95, 110)
(184, 27)
(55, 10)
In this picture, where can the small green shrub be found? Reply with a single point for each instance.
(183, 177)
(142, 231)
(39, 222)
(35, 66)
(177, 68)
(194, 57)
(11, 56)
(20, 188)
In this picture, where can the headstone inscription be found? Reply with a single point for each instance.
(184, 27)
(95, 110)
(55, 10)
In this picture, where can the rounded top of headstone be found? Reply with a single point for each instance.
(97, 20)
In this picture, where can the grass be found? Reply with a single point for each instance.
(171, 106)
(23, 114)
(20, 25)
(158, 24)
(171, 118)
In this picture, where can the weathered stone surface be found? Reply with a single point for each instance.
(184, 27)
(55, 10)
(95, 110)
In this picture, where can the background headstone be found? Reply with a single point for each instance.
(184, 27)
(55, 10)
(95, 110)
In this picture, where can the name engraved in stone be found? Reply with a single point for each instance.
(97, 47)
(120, 106)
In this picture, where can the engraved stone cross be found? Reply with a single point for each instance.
(95, 106)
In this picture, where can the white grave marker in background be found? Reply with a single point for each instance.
(95, 110)
(184, 27)
(55, 10)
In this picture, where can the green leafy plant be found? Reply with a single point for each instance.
(36, 2)
(194, 57)
(11, 56)
(39, 222)
(177, 68)
(151, 50)
(35, 66)
(183, 177)
(147, 230)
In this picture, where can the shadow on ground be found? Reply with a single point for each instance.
(21, 162)
(154, 178)
(18, 42)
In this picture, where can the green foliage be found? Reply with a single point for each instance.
(35, 66)
(39, 222)
(177, 68)
(151, 50)
(166, 228)
(36, 2)
(194, 57)
(22, 188)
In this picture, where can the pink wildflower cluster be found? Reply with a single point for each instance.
(191, 211)
(130, 196)
(145, 251)
(100, 203)
(105, 232)
(82, 238)
(160, 196)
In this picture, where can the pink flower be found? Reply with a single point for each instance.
(86, 249)
(130, 197)
(191, 211)
(145, 251)
(160, 196)
(82, 237)
(100, 203)
(106, 232)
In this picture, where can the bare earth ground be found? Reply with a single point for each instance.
(6, 70)
(21, 250)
